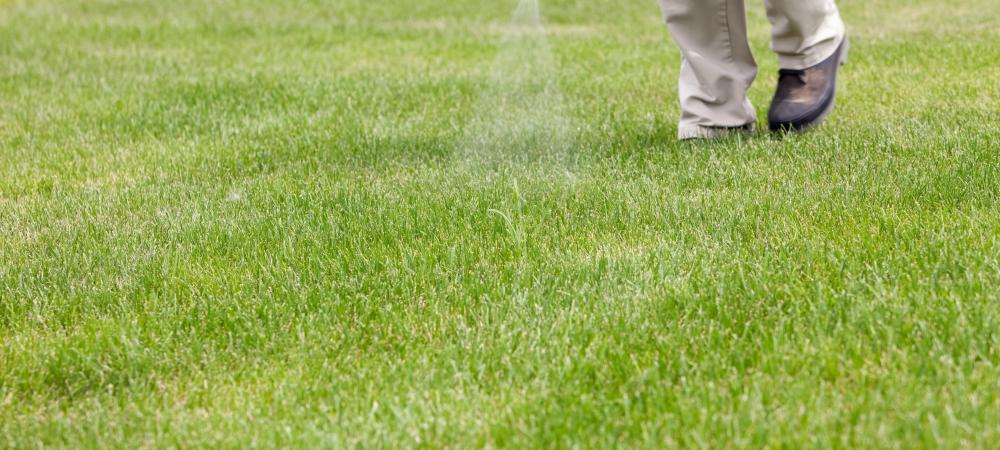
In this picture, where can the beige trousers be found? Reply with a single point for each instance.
(717, 67)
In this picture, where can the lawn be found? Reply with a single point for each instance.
(388, 224)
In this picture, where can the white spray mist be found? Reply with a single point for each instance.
(521, 115)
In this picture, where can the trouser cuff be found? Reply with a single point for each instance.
(687, 132)
(818, 55)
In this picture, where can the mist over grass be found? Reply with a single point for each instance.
(521, 114)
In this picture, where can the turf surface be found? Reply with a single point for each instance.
(270, 223)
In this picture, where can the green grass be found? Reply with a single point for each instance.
(255, 224)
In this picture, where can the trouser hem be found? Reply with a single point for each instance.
(806, 61)
(687, 132)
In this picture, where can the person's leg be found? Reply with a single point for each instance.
(717, 67)
(804, 32)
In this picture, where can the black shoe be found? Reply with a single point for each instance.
(804, 97)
